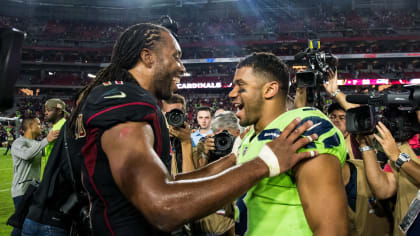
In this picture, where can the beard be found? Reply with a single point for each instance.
(162, 83)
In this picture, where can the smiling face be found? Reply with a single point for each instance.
(168, 68)
(247, 96)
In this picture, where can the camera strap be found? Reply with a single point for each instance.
(66, 148)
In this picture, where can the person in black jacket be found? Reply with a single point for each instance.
(59, 182)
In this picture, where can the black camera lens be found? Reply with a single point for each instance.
(175, 117)
(223, 143)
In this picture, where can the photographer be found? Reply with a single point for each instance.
(337, 114)
(226, 125)
(206, 147)
(336, 111)
(179, 135)
(400, 177)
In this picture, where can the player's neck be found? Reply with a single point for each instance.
(143, 77)
(267, 117)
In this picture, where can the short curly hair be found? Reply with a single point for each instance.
(270, 67)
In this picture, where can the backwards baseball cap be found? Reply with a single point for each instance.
(56, 103)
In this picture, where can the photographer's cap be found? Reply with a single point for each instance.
(56, 103)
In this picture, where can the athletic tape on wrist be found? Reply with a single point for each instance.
(270, 159)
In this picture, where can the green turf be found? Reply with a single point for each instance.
(6, 202)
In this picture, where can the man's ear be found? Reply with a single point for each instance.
(148, 57)
(270, 89)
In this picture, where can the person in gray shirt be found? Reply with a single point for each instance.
(26, 154)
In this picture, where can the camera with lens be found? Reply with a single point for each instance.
(399, 114)
(176, 118)
(319, 63)
(77, 207)
(11, 41)
(223, 143)
(167, 22)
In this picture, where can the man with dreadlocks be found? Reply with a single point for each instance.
(126, 154)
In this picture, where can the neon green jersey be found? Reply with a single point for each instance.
(49, 147)
(273, 206)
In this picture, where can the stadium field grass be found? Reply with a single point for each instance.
(6, 202)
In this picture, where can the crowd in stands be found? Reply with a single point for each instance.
(223, 72)
(234, 26)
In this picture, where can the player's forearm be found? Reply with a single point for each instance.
(179, 202)
(210, 169)
(376, 177)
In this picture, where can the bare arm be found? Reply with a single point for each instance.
(144, 180)
(28, 152)
(383, 184)
(210, 169)
(392, 151)
(412, 169)
(332, 86)
(183, 134)
(322, 193)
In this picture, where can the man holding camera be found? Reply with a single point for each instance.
(179, 135)
(203, 119)
(401, 177)
(393, 179)
(226, 130)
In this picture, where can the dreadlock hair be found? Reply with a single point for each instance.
(125, 55)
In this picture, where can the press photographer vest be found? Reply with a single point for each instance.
(406, 189)
(365, 221)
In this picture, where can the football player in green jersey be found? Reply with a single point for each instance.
(309, 199)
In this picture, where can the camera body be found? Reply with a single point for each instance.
(223, 143)
(176, 118)
(11, 41)
(398, 116)
(319, 63)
